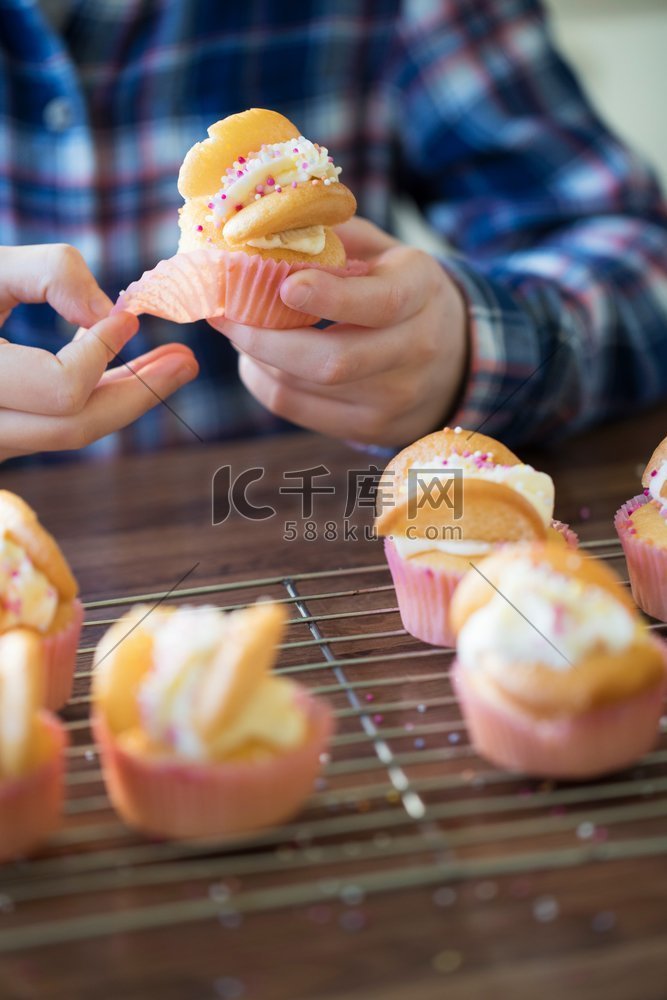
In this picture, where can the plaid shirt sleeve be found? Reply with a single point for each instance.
(559, 228)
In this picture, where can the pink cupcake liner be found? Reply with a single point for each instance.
(202, 284)
(424, 596)
(570, 536)
(174, 799)
(647, 563)
(583, 746)
(31, 806)
(60, 660)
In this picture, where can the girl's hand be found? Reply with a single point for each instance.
(67, 400)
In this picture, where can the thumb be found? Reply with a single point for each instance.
(55, 273)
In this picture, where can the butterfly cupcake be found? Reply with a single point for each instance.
(38, 591)
(198, 737)
(641, 524)
(32, 743)
(450, 498)
(556, 674)
(260, 200)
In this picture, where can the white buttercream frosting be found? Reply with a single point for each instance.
(186, 644)
(536, 487)
(268, 172)
(655, 485)
(309, 239)
(26, 595)
(540, 616)
(408, 545)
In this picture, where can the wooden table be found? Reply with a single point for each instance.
(417, 871)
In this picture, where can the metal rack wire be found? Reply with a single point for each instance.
(404, 801)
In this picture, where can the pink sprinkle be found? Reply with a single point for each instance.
(296, 149)
(239, 173)
(260, 189)
(631, 512)
(465, 454)
(293, 184)
(200, 229)
(278, 189)
(559, 619)
(305, 166)
(370, 697)
(270, 181)
(241, 159)
(223, 196)
(330, 159)
(210, 204)
(654, 473)
(237, 208)
(646, 493)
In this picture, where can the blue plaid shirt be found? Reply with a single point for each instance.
(557, 229)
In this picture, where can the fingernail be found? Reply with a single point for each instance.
(296, 293)
(100, 305)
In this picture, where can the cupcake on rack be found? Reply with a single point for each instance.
(198, 737)
(32, 743)
(38, 591)
(260, 201)
(641, 524)
(556, 674)
(451, 497)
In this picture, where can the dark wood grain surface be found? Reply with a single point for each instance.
(137, 525)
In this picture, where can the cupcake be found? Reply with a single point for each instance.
(452, 496)
(198, 737)
(555, 672)
(641, 524)
(32, 743)
(38, 591)
(260, 200)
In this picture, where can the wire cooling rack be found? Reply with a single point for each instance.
(403, 801)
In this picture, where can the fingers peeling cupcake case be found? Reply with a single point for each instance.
(260, 201)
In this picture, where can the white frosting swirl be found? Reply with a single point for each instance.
(185, 644)
(27, 597)
(267, 172)
(655, 485)
(540, 616)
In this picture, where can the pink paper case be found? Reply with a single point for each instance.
(647, 563)
(179, 799)
(424, 594)
(584, 746)
(203, 284)
(31, 806)
(60, 652)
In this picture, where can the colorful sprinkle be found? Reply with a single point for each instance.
(200, 229)
(241, 159)
(270, 181)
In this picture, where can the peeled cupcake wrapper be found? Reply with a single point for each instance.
(424, 593)
(31, 805)
(183, 799)
(60, 660)
(596, 742)
(202, 284)
(647, 563)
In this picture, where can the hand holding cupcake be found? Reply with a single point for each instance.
(198, 737)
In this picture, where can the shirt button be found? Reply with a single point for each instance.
(58, 114)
